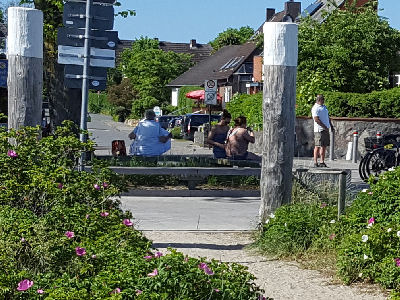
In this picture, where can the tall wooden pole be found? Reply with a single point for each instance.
(280, 68)
(25, 67)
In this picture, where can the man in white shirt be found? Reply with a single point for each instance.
(150, 139)
(322, 123)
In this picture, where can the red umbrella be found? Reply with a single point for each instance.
(199, 95)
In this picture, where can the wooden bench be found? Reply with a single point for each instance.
(193, 175)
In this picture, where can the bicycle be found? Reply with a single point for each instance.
(381, 158)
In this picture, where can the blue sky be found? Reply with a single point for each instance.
(182, 20)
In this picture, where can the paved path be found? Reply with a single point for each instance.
(193, 213)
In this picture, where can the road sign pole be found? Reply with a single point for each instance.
(85, 81)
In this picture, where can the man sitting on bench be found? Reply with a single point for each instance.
(149, 138)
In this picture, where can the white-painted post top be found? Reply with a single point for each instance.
(280, 44)
(25, 32)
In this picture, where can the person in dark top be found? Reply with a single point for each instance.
(217, 135)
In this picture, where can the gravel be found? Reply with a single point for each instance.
(281, 280)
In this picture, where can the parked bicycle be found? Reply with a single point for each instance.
(383, 154)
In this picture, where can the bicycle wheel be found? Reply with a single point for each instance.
(379, 161)
(362, 167)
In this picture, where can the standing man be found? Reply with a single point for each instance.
(322, 123)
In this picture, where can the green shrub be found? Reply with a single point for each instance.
(249, 106)
(37, 173)
(372, 254)
(292, 229)
(63, 234)
(176, 133)
(382, 104)
(381, 202)
(98, 103)
(378, 104)
(116, 257)
(185, 105)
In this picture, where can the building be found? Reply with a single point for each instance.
(198, 51)
(231, 66)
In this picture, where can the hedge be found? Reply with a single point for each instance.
(378, 104)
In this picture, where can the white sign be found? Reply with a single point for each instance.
(157, 110)
(210, 98)
(68, 55)
(210, 86)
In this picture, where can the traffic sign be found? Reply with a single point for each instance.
(210, 86)
(75, 16)
(68, 55)
(73, 77)
(210, 98)
(157, 110)
(68, 36)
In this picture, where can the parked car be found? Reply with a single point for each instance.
(163, 120)
(191, 123)
(175, 122)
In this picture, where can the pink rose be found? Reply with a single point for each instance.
(127, 222)
(69, 234)
(80, 251)
(24, 285)
(154, 273)
(12, 153)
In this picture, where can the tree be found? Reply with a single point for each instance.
(232, 36)
(149, 70)
(353, 50)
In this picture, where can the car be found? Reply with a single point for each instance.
(191, 123)
(163, 120)
(175, 122)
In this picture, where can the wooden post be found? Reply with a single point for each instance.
(342, 193)
(280, 68)
(25, 71)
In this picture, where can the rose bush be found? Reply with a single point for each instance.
(365, 240)
(64, 236)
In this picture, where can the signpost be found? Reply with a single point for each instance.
(87, 49)
(210, 96)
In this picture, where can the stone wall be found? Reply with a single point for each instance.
(344, 128)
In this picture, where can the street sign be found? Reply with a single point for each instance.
(75, 16)
(210, 86)
(210, 98)
(73, 77)
(210, 95)
(68, 36)
(157, 110)
(3, 72)
(68, 55)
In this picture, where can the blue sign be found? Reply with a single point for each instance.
(3, 72)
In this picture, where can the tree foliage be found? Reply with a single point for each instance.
(232, 36)
(149, 70)
(354, 50)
